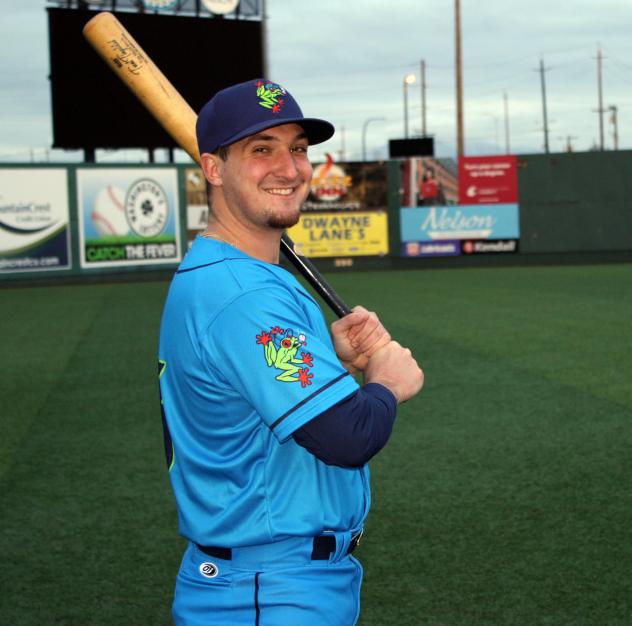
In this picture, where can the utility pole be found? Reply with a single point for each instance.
(615, 126)
(460, 150)
(569, 142)
(506, 107)
(600, 109)
(422, 81)
(264, 40)
(545, 122)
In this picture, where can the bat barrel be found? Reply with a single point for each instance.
(134, 67)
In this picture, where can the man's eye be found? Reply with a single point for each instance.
(300, 149)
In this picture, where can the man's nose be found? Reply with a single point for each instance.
(285, 165)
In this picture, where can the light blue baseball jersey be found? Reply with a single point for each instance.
(246, 358)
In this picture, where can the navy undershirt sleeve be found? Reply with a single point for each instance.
(353, 430)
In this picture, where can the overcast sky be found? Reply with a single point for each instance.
(346, 61)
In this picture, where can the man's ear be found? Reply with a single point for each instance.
(211, 165)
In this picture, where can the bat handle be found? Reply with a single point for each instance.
(313, 277)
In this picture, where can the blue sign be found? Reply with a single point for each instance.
(431, 248)
(481, 221)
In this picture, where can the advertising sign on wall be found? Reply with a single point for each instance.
(494, 221)
(428, 182)
(488, 180)
(128, 216)
(357, 233)
(34, 220)
(197, 202)
(345, 213)
(485, 220)
(455, 230)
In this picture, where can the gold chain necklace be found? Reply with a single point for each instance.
(208, 235)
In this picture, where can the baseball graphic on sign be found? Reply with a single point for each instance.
(108, 212)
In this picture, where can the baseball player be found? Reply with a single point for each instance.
(267, 432)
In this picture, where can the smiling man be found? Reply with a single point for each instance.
(263, 185)
(267, 432)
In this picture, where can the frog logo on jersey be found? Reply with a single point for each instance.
(280, 349)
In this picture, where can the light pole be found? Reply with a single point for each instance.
(544, 115)
(422, 82)
(460, 140)
(364, 127)
(507, 148)
(409, 79)
(600, 108)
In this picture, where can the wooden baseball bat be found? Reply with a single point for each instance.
(133, 66)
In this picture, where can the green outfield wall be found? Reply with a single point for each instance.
(575, 202)
(573, 207)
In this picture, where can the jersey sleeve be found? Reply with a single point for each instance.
(276, 352)
(353, 431)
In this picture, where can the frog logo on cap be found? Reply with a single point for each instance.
(269, 96)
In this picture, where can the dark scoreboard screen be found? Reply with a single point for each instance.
(91, 106)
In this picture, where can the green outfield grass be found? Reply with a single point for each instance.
(503, 498)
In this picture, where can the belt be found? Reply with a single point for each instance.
(322, 548)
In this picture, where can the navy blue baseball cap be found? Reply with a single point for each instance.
(248, 108)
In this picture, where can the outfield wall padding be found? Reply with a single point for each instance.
(575, 202)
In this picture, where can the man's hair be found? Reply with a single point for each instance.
(222, 152)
